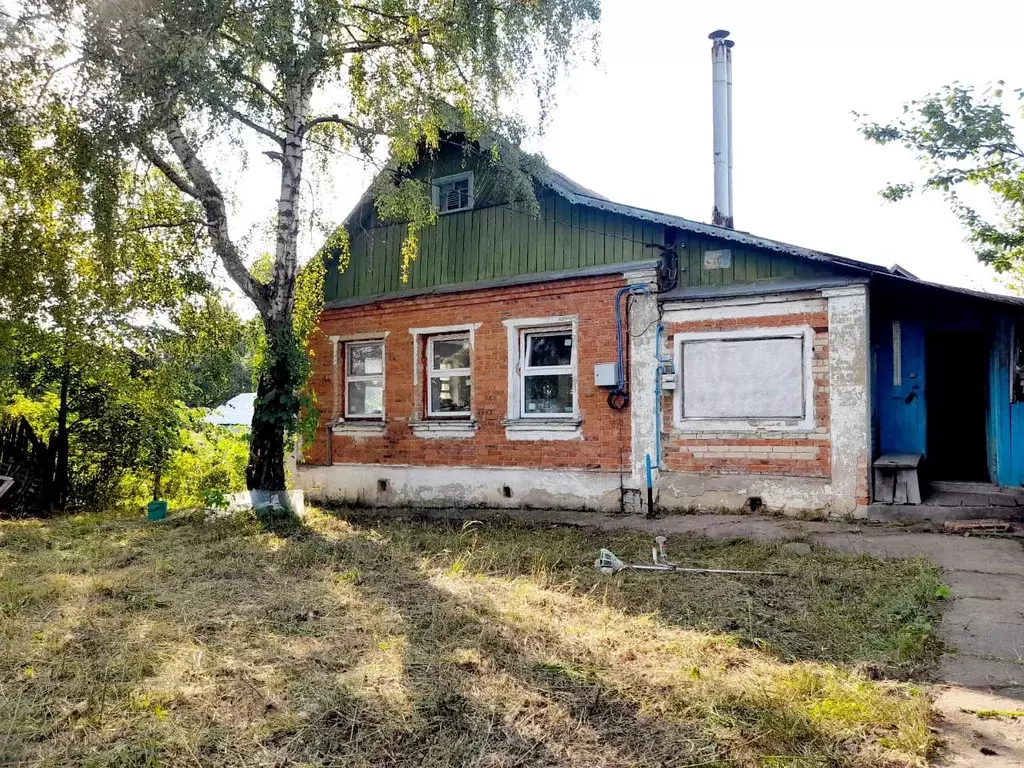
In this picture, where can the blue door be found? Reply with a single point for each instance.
(900, 389)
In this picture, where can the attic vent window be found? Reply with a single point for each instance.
(454, 193)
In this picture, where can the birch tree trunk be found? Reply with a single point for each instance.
(276, 388)
(276, 397)
(277, 402)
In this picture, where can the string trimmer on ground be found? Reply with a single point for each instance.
(609, 564)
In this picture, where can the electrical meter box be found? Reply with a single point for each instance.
(606, 374)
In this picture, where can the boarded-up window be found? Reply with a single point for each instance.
(746, 378)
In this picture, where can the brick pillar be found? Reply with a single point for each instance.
(643, 368)
(850, 393)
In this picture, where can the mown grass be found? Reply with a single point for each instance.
(361, 643)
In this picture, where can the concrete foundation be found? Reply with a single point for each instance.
(508, 488)
(681, 491)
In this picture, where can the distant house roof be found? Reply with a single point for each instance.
(236, 411)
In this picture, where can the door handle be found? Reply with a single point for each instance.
(912, 396)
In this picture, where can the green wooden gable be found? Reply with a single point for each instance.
(499, 238)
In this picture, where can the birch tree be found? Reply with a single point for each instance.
(179, 80)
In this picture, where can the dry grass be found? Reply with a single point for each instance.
(354, 643)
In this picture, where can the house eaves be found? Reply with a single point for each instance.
(762, 287)
(599, 270)
(577, 194)
(580, 195)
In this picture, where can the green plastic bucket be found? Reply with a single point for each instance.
(156, 510)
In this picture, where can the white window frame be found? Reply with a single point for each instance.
(544, 426)
(365, 377)
(450, 427)
(447, 373)
(435, 191)
(515, 330)
(526, 370)
(803, 424)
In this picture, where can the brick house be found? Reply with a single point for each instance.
(601, 356)
(569, 358)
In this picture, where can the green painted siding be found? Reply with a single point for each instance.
(748, 265)
(499, 239)
(491, 242)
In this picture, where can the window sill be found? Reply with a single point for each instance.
(543, 429)
(744, 425)
(444, 429)
(356, 428)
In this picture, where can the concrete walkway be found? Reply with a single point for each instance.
(984, 620)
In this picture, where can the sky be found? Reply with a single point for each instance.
(638, 127)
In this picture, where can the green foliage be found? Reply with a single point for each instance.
(215, 499)
(41, 413)
(296, 412)
(106, 306)
(215, 351)
(965, 139)
(175, 81)
(338, 245)
(405, 199)
(510, 172)
(208, 465)
(990, 714)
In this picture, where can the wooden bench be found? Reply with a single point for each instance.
(896, 480)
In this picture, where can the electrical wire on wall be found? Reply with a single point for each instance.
(619, 398)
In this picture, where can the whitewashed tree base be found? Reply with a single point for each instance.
(292, 501)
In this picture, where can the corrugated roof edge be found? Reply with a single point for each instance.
(574, 195)
(1015, 301)
(499, 282)
(700, 228)
(792, 285)
(778, 285)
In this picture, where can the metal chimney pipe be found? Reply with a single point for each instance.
(728, 66)
(721, 73)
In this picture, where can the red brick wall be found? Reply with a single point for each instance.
(794, 454)
(606, 433)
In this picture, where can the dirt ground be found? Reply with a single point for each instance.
(979, 687)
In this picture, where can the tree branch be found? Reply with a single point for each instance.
(168, 224)
(149, 152)
(372, 45)
(402, 19)
(353, 127)
(249, 80)
(246, 120)
(212, 199)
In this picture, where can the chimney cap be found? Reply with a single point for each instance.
(730, 43)
(718, 34)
